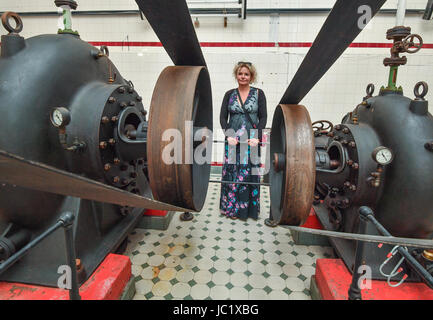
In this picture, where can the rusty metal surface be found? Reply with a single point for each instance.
(7, 25)
(18, 171)
(294, 184)
(172, 23)
(337, 33)
(181, 94)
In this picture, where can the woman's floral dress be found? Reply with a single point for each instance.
(241, 200)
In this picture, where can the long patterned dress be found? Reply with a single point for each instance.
(240, 200)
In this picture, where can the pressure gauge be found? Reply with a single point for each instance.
(60, 117)
(382, 155)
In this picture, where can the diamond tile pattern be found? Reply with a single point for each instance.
(212, 257)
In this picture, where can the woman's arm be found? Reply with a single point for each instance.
(263, 113)
(224, 113)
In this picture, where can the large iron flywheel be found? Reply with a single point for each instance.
(293, 168)
(179, 145)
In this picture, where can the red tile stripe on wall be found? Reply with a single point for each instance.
(246, 44)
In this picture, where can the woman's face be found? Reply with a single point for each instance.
(243, 76)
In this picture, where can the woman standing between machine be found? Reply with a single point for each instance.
(246, 106)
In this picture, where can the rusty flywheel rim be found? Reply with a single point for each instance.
(182, 93)
(292, 174)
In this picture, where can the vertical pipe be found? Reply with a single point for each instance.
(428, 10)
(392, 81)
(354, 290)
(401, 12)
(68, 219)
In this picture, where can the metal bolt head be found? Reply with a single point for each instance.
(344, 142)
(107, 166)
(116, 179)
(337, 138)
(347, 184)
(114, 118)
(345, 130)
(105, 120)
(78, 264)
(139, 98)
(123, 104)
(355, 166)
(349, 162)
(102, 145)
(353, 187)
(130, 89)
(116, 161)
(121, 90)
(112, 100)
(352, 144)
(131, 103)
(112, 141)
(338, 127)
(330, 134)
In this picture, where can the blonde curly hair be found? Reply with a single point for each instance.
(249, 66)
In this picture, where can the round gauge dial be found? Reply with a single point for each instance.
(60, 117)
(383, 155)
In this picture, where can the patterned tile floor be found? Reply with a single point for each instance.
(212, 257)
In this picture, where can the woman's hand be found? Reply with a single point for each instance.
(232, 141)
(253, 142)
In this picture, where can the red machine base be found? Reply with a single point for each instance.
(107, 283)
(333, 280)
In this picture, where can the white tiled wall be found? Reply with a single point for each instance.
(340, 90)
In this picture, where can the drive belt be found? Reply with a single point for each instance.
(342, 26)
(172, 23)
(15, 170)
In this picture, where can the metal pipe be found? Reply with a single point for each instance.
(238, 182)
(265, 11)
(401, 12)
(209, 2)
(354, 292)
(223, 141)
(419, 269)
(428, 10)
(65, 221)
(18, 255)
(215, 15)
(68, 219)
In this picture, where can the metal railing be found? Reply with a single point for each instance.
(64, 221)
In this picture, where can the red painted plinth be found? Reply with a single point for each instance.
(312, 221)
(107, 283)
(151, 212)
(333, 281)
